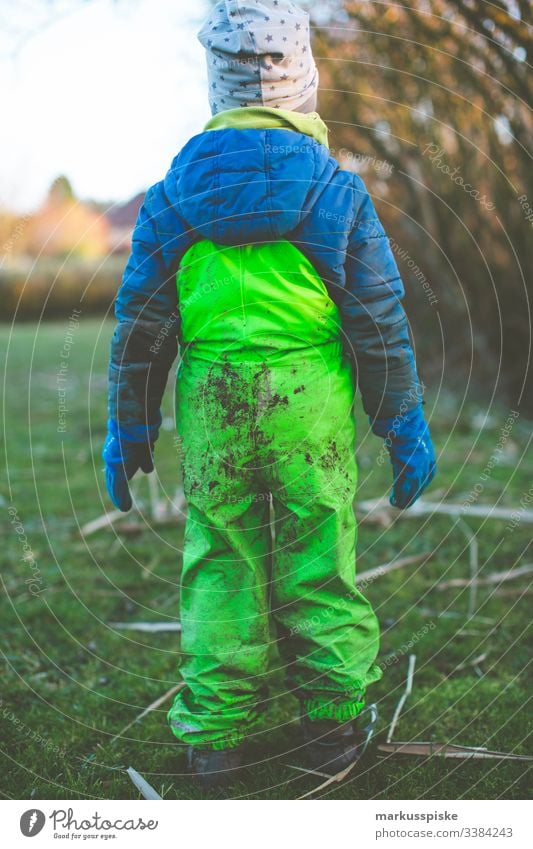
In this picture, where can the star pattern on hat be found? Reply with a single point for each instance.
(265, 77)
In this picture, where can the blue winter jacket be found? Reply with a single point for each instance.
(236, 186)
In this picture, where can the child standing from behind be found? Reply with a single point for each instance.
(268, 265)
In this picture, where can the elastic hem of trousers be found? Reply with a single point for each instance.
(317, 709)
(230, 740)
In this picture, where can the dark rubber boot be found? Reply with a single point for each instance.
(214, 770)
(331, 746)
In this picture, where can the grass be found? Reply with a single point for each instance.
(71, 683)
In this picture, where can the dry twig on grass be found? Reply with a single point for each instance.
(147, 627)
(473, 550)
(142, 785)
(333, 779)
(157, 507)
(162, 512)
(494, 578)
(385, 568)
(308, 771)
(178, 505)
(148, 570)
(113, 516)
(424, 508)
(514, 593)
(407, 692)
(158, 702)
(448, 750)
(474, 662)
(105, 521)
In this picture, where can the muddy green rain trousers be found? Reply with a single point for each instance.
(264, 414)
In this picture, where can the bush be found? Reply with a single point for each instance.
(52, 288)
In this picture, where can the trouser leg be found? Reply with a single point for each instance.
(328, 632)
(224, 584)
(225, 633)
(329, 635)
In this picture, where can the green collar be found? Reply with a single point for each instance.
(266, 117)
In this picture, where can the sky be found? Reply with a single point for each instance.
(107, 95)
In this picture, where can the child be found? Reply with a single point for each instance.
(269, 265)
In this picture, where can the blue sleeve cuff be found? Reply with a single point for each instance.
(136, 433)
(392, 427)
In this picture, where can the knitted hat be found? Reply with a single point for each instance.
(259, 54)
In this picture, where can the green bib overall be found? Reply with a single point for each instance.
(264, 413)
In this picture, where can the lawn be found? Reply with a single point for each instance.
(71, 682)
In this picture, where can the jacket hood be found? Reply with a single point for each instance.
(236, 186)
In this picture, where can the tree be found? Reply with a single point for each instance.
(438, 90)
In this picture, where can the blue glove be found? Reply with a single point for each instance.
(127, 448)
(412, 454)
